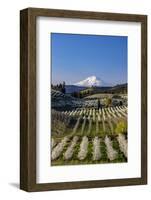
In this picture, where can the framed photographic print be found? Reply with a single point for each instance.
(83, 93)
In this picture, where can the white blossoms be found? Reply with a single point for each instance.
(83, 148)
(122, 144)
(69, 152)
(111, 153)
(96, 149)
(59, 148)
(53, 143)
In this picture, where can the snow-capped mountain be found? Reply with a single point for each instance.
(92, 81)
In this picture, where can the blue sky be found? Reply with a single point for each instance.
(76, 57)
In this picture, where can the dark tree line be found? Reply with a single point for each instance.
(59, 87)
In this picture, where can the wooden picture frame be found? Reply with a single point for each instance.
(28, 99)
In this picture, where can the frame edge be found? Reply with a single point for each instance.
(24, 99)
(27, 58)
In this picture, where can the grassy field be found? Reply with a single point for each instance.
(100, 95)
(88, 126)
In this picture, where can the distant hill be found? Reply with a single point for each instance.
(73, 88)
(86, 91)
(119, 89)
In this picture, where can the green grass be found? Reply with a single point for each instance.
(101, 131)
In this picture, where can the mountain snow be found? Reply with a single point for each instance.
(91, 81)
